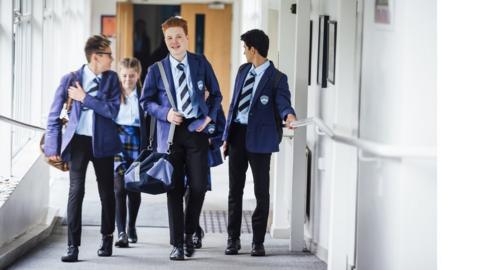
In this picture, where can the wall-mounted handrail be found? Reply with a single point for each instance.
(20, 124)
(375, 148)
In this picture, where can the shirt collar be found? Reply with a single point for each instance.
(89, 75)
(133, 93)
(174, 62)
(260, 69)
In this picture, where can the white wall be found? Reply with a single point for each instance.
(331, 227)
(394, 101)
(99, 8)
(397, 220)
(27, 205)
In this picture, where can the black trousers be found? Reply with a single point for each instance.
(238, 165)
(198, 230)
(123, 198)
(81, 154)
(189, 156)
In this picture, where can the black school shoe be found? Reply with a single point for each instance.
(177, 253)
(233, 246)
(132, 235)
(189, 248)
(105, 249)
(257, 250)
(197, 238)
(122, 240)
(71, 255)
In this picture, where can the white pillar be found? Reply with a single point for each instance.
(281, 182)
(300, 95)
(280, 227)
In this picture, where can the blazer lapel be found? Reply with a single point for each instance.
(241, 81)
(79, 78)
(193, 64)
(262, 83)
(168, 72)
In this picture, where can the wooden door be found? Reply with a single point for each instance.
(217, 41)
(124, 21)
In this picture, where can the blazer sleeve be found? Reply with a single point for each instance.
(214, 100)
(283, 98)
(107, 108)
(216, 138)
(53, 133)
(149, 99)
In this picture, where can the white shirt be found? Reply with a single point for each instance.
(129, 114)
(176, 76)
(85, 123)
(242, 117)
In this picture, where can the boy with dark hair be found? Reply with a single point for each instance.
(91, 135)
(257, 39)
(252, 133)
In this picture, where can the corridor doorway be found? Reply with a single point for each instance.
(210, 33)
(209, 27)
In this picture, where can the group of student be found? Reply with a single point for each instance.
(108, 126)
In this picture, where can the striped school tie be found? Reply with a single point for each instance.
(247, 90)
(185, 101)
(93, 90)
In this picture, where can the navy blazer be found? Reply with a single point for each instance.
(154, 98)
(144, 123)
(261, 134)
(214, 153)
(105, 105)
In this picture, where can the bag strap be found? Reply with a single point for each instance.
(172, 103)
(68, 103)
(152, 132)
(275, 82)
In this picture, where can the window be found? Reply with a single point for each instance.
(6, 74)
(37, 46)
(22, 55)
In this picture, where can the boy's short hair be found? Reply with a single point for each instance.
(176, 21)
(94, 44)
(258, 39)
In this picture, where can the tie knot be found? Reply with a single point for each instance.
(181, 66)
(253, 73)
(97, 80)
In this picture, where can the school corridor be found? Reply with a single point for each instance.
(353, 187)
(153, 248)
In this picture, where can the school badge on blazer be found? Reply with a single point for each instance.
(200, 85)
(210, 128)
(264, 100)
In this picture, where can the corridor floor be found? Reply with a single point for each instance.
(152, 250)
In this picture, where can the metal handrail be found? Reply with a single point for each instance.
(20, 124)
(375, 148)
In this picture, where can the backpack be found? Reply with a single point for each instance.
(278, 119)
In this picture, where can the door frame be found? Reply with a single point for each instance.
(236, 23)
